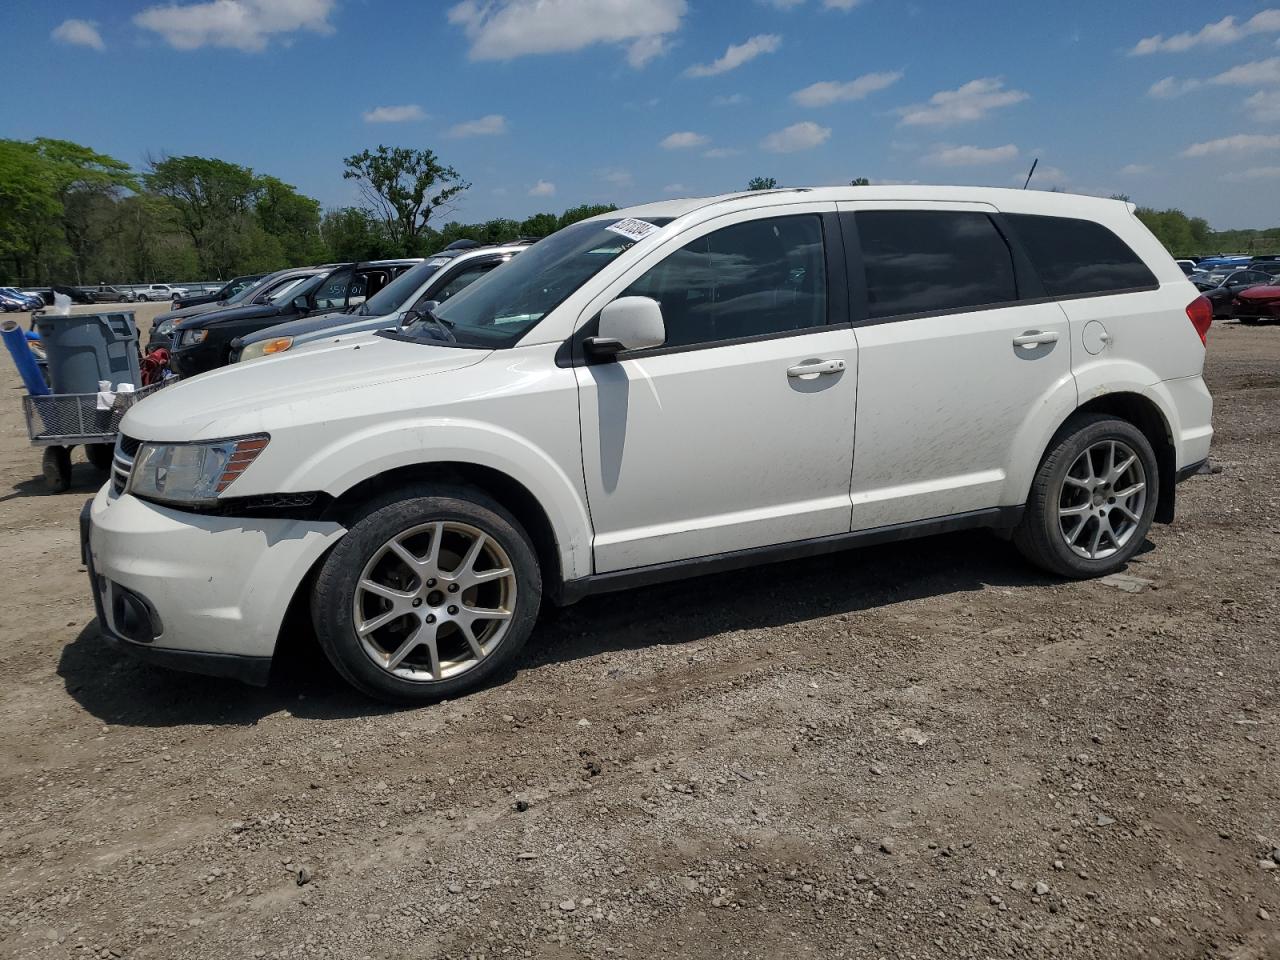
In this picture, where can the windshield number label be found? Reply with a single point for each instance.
(632, 229)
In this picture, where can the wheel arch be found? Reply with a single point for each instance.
(1145, 414)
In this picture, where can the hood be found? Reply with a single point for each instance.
(262, 394)
(1265, 292)
(294, 328)
(210, 318)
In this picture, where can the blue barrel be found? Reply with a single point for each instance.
(83, 348)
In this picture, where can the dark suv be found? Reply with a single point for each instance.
(203, 342)
(226, 292)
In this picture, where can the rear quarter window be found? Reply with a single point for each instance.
(1079, 257)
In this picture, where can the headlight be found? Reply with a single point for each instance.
(165, 328)
(188, 338)
(192, 472)
(266, 348)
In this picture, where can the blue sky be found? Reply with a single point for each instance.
(544, 104)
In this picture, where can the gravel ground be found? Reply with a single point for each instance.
(922, 750)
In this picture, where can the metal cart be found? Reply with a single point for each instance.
(60, 422)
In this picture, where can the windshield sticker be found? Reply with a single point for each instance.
(633, 229)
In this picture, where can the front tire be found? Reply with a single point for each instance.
(1092, 500)
(431, 592)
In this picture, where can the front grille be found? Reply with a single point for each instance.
(122, 462)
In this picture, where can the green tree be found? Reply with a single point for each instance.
(584, 212)
(29, 211)
(859, 182)
(212, 199)
(404, 188)
(292, 219)
(762, 183)
(540, 225)
(83, 181)
(352, 233)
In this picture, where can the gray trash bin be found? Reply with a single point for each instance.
(84, 348)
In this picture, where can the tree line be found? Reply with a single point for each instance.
(69, 214)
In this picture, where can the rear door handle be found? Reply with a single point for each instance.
(815, 368)
(1035, 338)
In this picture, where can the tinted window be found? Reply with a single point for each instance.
(1075, 257)
(461, 280)
(923, 261)
(753, 278)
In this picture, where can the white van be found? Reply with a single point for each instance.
(679, 388)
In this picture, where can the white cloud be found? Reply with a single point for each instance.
(966, 156)
(1259, 73)
(799, 136)
(543, 188)
(1225, 31)
(674, 188)
(973, 101)
(720, 153)
(1240, 143)
(505, 29)
(684, 140)
(840, 4)
(827, 91)
(79, 33)
(240, 24)
(737, 55)
(1264, 105)
(1045, 177)
(400, 114)
(729, 100)
(1171, 87)
(643, 50)
(1253, 173)
(493, 124)
(1135, 169)
(618, 177)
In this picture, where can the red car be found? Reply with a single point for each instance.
(1257, 304)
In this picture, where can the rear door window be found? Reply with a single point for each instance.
(1079, 257)
(933, 261)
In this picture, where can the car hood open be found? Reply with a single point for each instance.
(254, 396)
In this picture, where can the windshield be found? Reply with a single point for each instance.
(501, 307)
(279, 296)
(396, 294)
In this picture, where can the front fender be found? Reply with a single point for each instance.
(336, 466)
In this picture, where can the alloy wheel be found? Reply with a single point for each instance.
(434, 601)
(1102, 499)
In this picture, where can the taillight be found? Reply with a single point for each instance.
(1200, 313)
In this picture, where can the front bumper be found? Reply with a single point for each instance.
(197, 358)
(196, 592)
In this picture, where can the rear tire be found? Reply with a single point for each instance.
(399, 603)
(1092, 500)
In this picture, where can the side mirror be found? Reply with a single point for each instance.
(629, 323)
(301, 303)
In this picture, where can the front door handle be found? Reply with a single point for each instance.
(815, 368)
(1035, 338)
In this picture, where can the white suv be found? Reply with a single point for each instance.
(674, 389)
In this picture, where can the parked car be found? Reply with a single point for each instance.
(204, 342)
(11, 304)
(1270, 267)
(74, 294)
(104, 293)
(1258, 304)
(1188, 266)
(158, 292)
(656, 393)
(1233, 262)
(437, 279)
(271, 286)
(1222, 288)
(24, 301)
(218, 294)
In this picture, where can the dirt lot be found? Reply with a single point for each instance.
(915, 751)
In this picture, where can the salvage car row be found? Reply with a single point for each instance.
(295, 306)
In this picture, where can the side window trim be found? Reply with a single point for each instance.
(571, 352)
